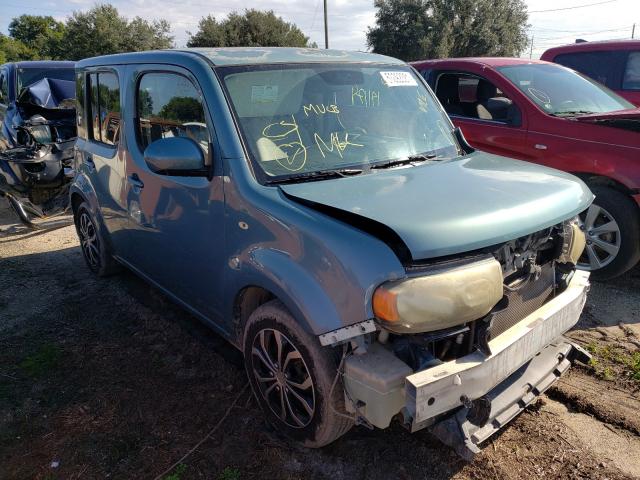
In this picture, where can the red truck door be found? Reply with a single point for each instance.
(490, 120)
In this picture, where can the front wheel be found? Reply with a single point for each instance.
(612, 229)
(292, 376)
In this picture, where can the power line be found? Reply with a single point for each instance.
(580, 34)
(573, 8)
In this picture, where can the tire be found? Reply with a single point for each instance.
(95, 249)
(318, 424)
(611, 205)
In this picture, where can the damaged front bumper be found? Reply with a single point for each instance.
(37, 178)
(486, 392)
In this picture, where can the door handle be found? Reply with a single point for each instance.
(135, 181)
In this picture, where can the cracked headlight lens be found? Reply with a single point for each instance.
(574, 242)
(444, 298)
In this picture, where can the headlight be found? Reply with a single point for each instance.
(443, 299)
(574, 242)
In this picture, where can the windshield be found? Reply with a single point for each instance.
(560, 91)
(28, 76)
(303, 118)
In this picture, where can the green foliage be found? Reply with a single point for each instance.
(254, 28)
(102, 31)
(99, 31)
(630, 362)
(42, 35)
(183, 109)
(423, 29)
(44, 360)
(177, 473)
(229, 474)
(12, 50)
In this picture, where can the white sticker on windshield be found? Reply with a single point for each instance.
(398, 79)
(264, 93)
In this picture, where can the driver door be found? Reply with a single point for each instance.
(176, 228)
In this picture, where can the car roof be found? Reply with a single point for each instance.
(488, 61)
(242, 56)
(593, 47)
(45, 64)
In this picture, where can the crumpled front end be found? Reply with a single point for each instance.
(464, 344)
(35, 163)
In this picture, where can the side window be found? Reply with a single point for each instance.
(631, 80)
(4, 88)
(104, 107)
(109, 101)
(604, 67)
(169, 105)
(81, 120)
(470, 96)
(93, 109)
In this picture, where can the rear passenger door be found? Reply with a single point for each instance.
(99, 154)
(176, 223)
(489, 119)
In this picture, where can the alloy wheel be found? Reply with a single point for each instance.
(89, 240)
(283, 378)
(603, 238)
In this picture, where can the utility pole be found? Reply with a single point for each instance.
(326, 27)
(531, 50)
(633, 31)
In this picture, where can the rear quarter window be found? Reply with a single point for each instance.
(104, 107)
(81, 119)
(604, 67)
(631, 80)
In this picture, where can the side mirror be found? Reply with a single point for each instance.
(513, 116)
(176, 156)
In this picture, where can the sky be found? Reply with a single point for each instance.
(349, 19)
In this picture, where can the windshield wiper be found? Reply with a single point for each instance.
(316, 175)
(418, 158)
(571, 113)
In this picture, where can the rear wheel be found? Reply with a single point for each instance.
(612, 229)
(291, 376)
(94, 246)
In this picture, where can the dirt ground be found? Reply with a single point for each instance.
(105, 378)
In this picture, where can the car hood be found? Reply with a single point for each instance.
(630, 114)
(451, 206)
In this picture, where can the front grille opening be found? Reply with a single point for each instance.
(531, 279)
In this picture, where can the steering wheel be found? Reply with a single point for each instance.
(566, 105)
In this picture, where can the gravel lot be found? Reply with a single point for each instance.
(105, 378)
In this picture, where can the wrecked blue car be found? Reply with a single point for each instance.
(319, 210)
(37, 135)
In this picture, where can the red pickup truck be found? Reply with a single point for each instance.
(549, 114)
(613, 63)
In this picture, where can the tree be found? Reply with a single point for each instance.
(102, 31)
(12, 50)
(42, 35)
(254, 28)
(417, 29)
(183, 109)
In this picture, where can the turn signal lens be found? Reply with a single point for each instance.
(385, 305)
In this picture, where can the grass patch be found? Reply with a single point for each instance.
(43, 361)
(630, 363)
(177, 473)
(229, 474)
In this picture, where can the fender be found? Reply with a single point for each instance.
(275, 271)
